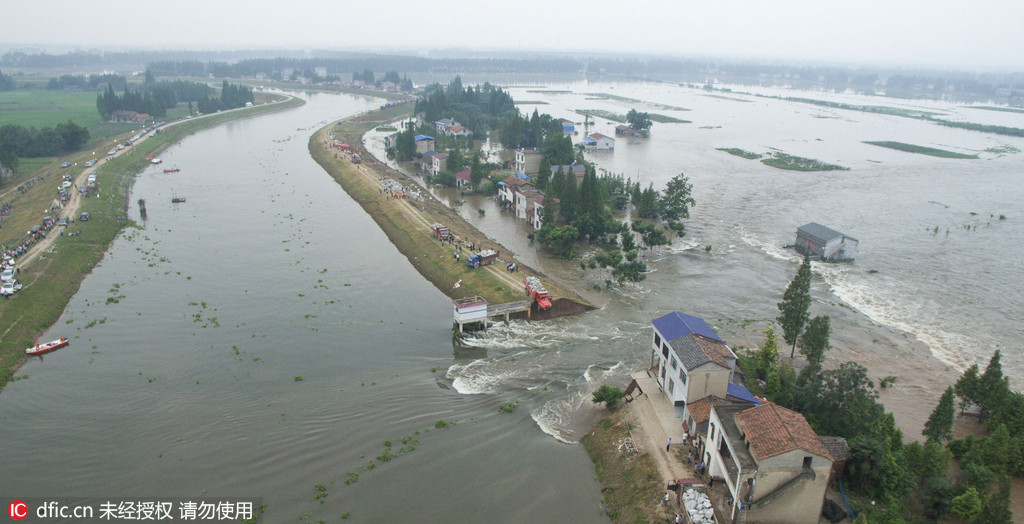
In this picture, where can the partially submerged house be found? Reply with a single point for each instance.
(513, 184)
(817, 241)
(528, 161)
(774, 466)
(598, 141)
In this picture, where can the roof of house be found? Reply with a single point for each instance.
(676, 324)
(533, 151)
(523, 176)
(589, 140)
(456, 128)
(700, 410)
(821, 232)
(695, 350)
(515, 181)
(622, 127)
(463, 175)
(422, 137)
(741, 392)
(532, 193)
(540, 201)
(773, 430)
(599, 136)
(837, 447)
(441, 156)
(569, 168)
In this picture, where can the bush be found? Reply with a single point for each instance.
(610, 395)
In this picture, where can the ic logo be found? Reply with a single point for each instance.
(17, 510)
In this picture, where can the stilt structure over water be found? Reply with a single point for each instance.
(475, 309)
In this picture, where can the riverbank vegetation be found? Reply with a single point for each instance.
(911, 148)
(628, 478)
(51, 281)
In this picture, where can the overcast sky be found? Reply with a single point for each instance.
(976, 34)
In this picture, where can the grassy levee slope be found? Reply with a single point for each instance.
(50, 282)
(630, 482)
(407, 224)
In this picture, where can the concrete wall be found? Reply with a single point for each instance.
(801, 501)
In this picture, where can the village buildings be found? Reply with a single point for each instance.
(528, 161)
(773, 466)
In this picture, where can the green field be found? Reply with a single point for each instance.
(601, 113)
(997, 108)
(664, 119)
(44, 108)
(749, 155)
(637, 101)
(911, 148)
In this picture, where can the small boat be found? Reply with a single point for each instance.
(39, 349)
(177, 200)
(171, 170)
(156, 160)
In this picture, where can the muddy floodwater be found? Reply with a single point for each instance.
(264, 337)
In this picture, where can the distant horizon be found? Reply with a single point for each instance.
(454, 52)
(943, 34)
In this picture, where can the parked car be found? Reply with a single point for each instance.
(10, 287)
(66, 165)
(90, 163)
(62, 221)
(84, 217)
(65, 185)
(7, 275)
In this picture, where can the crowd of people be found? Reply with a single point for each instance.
(394, 189)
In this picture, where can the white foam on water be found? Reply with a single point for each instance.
(555, 417)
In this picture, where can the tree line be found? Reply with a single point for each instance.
(28, 142)
(86, 82)
(231, 96)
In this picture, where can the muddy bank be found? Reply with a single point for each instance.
(406, 221)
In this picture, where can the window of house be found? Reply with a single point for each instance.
(674, 363)
(671, 385)
(657, 339)
(807, 462)
(711, 432)
(664, 350)
(682, 374)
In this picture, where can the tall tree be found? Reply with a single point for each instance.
(815, 339)
(939, 427)
(966, 388)
(796, 301)
(476, 172)
(768, 355)
(640, 122)
(993, 387)
(676, 199)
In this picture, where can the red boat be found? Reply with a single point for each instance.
(39, 349)
(172, 170)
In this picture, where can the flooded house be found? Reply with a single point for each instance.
(817, 241)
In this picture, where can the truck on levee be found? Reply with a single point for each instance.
(537, 292)
(483, 258)
(440, 232)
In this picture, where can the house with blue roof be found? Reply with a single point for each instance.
(424, 143)
(690, 360)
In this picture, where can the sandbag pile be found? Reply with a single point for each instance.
(698, 506)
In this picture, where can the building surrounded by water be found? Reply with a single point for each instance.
(818, 241)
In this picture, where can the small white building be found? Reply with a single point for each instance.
(470, 310)
(598, 141)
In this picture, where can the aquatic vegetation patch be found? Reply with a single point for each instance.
(782, 160)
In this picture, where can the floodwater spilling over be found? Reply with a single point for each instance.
(265, 337)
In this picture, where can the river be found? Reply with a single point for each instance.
(265, 337)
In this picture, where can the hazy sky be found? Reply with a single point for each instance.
(981, 34)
